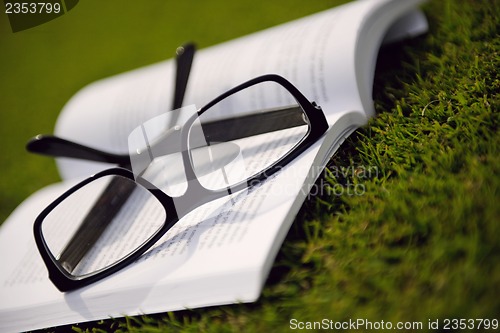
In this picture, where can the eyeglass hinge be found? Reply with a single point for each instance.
(316, 106)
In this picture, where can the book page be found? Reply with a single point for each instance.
(323, 55)
(222, 251)
(214, 255)
(308, 52)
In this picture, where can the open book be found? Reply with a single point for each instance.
(222, 252)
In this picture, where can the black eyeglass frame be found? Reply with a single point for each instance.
(195, 194)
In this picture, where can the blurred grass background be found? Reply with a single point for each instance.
(421, 243)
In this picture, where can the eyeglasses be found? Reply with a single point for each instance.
(177, 162)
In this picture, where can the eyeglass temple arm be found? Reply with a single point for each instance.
(50, 145)
(184, 60)
(233, 128)
(95, 223)
(55, 146)
(221, 130)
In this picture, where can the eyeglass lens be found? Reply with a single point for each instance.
(85, 236)
(244, 134)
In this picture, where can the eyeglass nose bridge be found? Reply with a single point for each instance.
(216, 161)
(179, 157)
(159, 136)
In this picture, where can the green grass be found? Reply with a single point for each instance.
(422, 240)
